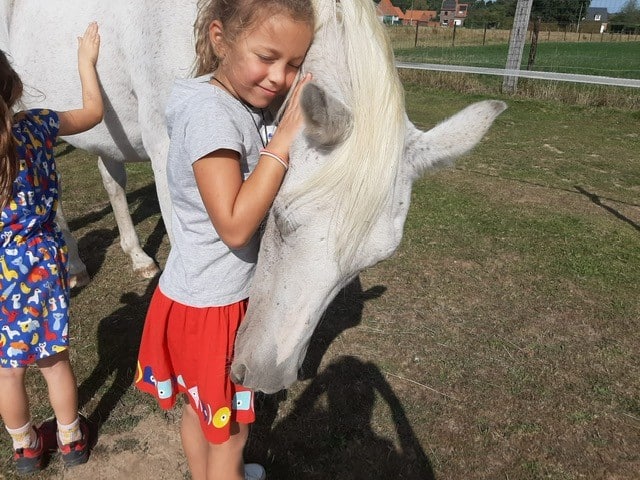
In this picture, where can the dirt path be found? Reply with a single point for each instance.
(149, 451)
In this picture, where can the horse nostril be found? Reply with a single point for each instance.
(237, 373)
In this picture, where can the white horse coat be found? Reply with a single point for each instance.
(345, 198)
(145, 45)
(344, 201)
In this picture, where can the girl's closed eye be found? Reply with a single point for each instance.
(266, 58)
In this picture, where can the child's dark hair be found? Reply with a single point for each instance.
(10, 93)
(236, 16)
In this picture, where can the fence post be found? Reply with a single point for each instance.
(534, 43)
(516, 43)
(415, 42)
(484, 34)
(453, 38)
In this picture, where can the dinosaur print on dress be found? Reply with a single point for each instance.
(33, 262)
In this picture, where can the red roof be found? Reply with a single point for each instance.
(385, 7)
(420, 15)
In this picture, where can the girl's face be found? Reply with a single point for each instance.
(262, 63)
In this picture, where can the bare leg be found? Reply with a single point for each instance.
(208, 461)
(14, 403)
(62, 386)
(225, 460)
(194, 443)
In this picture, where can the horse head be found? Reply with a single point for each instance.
(344, 201)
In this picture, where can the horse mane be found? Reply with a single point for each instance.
(361, 174)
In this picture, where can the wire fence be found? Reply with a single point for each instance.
(430, 36)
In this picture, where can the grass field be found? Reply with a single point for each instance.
(500, 341)
(620, 60)
(405, 36)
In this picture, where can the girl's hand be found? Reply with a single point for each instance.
(291, 122)
(89, 45)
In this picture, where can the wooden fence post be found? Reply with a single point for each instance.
(534, 43)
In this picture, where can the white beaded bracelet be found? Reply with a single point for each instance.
(275, 157)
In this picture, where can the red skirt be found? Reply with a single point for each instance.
(189, 350)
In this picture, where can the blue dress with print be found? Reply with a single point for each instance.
(33, 263)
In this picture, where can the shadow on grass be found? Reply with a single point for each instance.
(118, 337)
(328, 432)
(93, 246)
(148, 205)
(118, 342)
(597, 200)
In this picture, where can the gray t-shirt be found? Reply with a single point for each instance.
(201, 270)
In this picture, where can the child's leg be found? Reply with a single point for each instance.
(226, 459)
(73, 431)
(194, 443)
(209, 461)
(14, 403)
(62, 386)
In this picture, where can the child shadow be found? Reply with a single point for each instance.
(118, 344)
(329, 434)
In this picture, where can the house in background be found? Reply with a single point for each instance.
(388, 13)
(599, 16)
(453, 13)
(424, 17)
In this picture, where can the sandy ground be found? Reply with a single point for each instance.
(149, 451)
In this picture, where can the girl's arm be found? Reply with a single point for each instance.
(236, 208)
(79, 120)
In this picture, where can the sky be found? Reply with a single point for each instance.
(611, 5)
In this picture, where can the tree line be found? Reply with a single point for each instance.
(500, 13)
(563, 13)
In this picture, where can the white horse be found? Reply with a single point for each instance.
(145, 46)
(345, 198)
(344, 201)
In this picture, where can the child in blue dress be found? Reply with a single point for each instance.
(33, 264)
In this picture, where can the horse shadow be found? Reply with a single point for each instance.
(118, 342)
(93, 246)
(328, 432)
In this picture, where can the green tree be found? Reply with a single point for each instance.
(500, 13)
(628, 19)
(562, 12)
(494, 14)
(405, 5)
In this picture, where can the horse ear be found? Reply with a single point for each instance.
(327, 120)
(451, 138)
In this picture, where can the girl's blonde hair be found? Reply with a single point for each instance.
(10, 93)
(236, 16)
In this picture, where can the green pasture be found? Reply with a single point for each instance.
(501, 341)
(621, 59)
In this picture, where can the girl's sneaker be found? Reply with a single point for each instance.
(30, 460)
(76, 453)
(254, 471)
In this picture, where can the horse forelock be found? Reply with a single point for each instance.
(361, 173)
